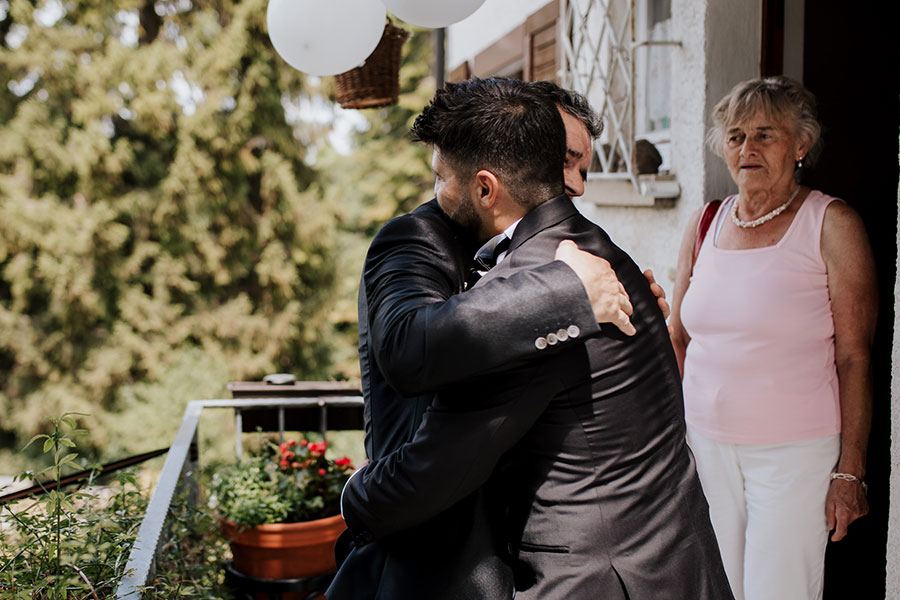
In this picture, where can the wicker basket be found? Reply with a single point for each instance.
(377, 81)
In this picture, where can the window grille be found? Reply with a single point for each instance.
(598, 58)
(597, 41)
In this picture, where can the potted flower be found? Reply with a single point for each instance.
(280, 509)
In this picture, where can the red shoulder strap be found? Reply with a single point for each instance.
(706, 219)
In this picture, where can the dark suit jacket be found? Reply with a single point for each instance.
(417, 335)
(599, 489)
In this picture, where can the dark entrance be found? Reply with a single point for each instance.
(850, 63)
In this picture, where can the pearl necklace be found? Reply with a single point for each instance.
(763, 219)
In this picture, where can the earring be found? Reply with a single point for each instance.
(800, 163)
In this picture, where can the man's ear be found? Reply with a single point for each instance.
(486, 188)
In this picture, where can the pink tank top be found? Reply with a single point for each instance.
(760, 365)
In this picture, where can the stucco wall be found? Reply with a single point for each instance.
(485, 26)
(720, 46)
(893, 546)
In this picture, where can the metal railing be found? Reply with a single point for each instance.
(182, 461)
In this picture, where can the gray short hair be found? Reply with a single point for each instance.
(573, 103)
(779, 97)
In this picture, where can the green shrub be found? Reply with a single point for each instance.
(68, 544)
(74, 545)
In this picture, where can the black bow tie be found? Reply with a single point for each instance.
(486, 258)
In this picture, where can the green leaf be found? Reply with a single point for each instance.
(68, 458)
(35, 438)
(48, 444)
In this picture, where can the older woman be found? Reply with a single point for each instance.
(772, 323)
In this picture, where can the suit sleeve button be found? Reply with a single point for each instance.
(562, 334)
(574, 331)
(552, 339)
(540, 343)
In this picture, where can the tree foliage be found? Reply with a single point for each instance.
(386, 175)
(157, 209)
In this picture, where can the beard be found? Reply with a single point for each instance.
(467, 218)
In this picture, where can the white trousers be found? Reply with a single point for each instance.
(767, 506)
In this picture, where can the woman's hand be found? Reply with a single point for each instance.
(677, 332)
(846, 502)
(854, 306)
(659, 292)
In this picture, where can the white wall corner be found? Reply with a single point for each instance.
(689, 101)
(733, 50)
(892, 582)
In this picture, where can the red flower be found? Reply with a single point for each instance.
(303, 442)
(283, 446)
(292, 443)
(343, 462)
(295, 464)
(321, 471)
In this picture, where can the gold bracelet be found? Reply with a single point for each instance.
(849, 477)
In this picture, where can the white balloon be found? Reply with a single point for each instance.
(325, 37)
(432, 13)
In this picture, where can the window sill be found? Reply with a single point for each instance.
(617, 190)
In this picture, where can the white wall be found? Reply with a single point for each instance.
(733, 48)
(720, 47)
(485, 26)
(892, 583)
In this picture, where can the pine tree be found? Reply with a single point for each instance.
(156, 211)
(384, 176)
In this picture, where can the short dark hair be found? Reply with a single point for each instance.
(500, 125)
(573, 103)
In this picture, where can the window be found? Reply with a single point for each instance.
(653, 65)
(618, 53)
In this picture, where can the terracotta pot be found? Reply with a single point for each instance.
(285, 550)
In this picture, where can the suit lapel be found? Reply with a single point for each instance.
(543, 217)
(546, 215)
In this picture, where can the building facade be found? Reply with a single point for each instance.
(655, 69)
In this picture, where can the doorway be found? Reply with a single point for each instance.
(848, 61)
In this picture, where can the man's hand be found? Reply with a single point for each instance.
(659, 292)
(607, 294)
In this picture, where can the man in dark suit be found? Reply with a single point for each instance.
(414, 264)
(594, 487)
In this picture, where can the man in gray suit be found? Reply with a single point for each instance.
(412, 316)
(590, 488)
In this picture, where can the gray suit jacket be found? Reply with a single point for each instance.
(418, 334)
(584, 451)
